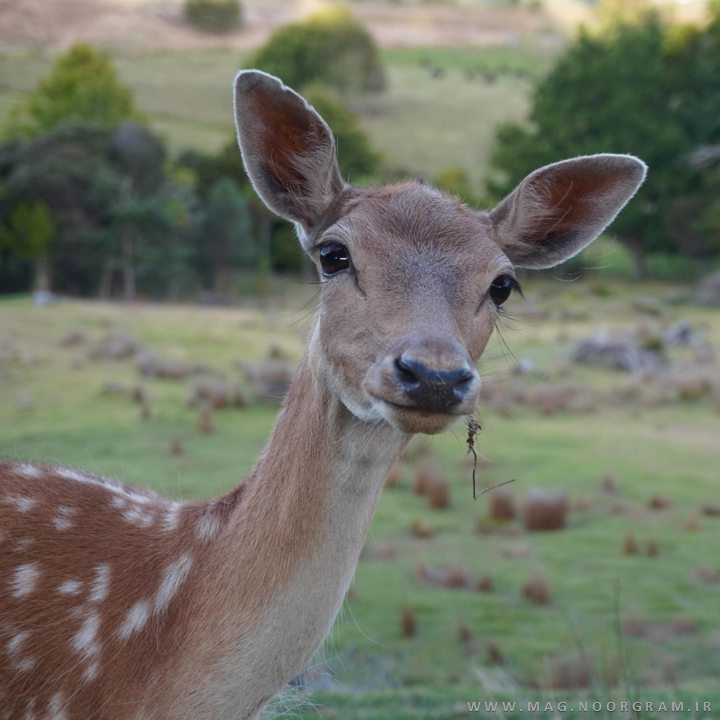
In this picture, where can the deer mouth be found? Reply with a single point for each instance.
(410, 419)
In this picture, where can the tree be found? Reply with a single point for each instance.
(356, 156)
(455, 180)
(226, 244)
(116, 213)
(82, 86)
(272, 235)
(28, 236)
(218, 16)
(331, 47)
(628, 90)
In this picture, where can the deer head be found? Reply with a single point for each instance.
(412, 279)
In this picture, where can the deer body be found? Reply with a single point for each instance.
(117, 604)
(200, 610)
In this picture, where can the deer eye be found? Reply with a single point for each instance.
(501, 288)
(334, 257)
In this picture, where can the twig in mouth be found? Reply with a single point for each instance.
(474, 428)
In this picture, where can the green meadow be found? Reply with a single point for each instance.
(646, 621)
(186, 96)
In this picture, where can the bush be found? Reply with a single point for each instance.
(356, 157)
(331, 47)
(81, 87)
(214, 15)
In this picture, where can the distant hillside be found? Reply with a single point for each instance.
(148, 23)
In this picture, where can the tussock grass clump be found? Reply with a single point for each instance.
(445, 576)
(484, 583)
(156, 366)
(422, 529)
(408, 624)
(501, 505)
(117, 345)
(206, 425)
(438, 493)
(537, 589)
(545, 510)
(659, 502)
(217, 393)
(630, 545)
(573, 672)
(271, 379)
(72, 338)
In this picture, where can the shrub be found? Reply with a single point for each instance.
(82, 86)
(356, 156)
(330, 46)
(455, 181)
(214, 15)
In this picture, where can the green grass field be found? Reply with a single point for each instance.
(52, 409)
(186, 96)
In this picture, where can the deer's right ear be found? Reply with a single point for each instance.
(287, 148)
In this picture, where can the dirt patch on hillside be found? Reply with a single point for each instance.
(148, 23)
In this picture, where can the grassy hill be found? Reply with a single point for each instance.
(440, 109)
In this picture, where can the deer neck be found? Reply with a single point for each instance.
(292, 541)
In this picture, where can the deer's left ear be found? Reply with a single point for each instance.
(559, 209)
(287, 148)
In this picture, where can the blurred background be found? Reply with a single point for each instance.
(152, 313)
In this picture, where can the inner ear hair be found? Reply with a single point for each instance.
(559, 209)
(287, 148)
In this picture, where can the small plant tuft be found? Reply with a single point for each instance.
(216, 16)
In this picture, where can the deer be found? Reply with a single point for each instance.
(119, 604)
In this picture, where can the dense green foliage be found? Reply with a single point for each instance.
(355, 154)
(642, 89)
(82, 86)
(214, 15)
(330, 46)
(113, 209)
(97, 207)
(28, 236)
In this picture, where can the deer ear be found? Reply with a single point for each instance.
(559, 209)
(287, 148)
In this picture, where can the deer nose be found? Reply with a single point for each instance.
(433, 390)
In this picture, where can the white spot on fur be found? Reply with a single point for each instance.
(91, 671)
(24, 665)
(172, 579)
(22, 503)
(69, 474)
(137, 516)
(70, 587)
(15, 643)
(135, 619)
(30, 710)
(207, 527)
(62, 520)
(85, 641)
(23, 543)
(56, 708)
(137, 496)
(172, 517)
(29, 470)
(24, 579)
(118, 502)
(99, 586)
